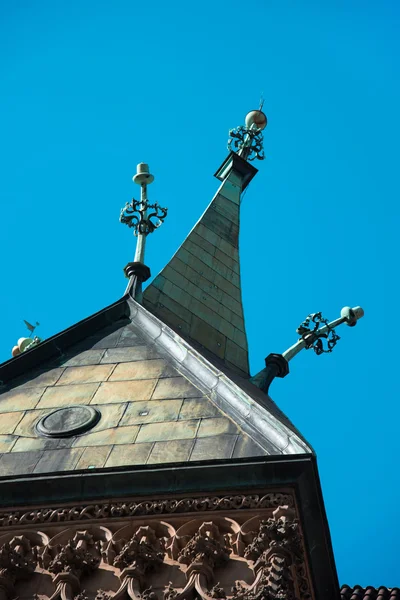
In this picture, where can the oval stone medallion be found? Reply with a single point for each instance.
(68, 421)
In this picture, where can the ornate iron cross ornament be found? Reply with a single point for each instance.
(143, 217)
(135, 215)
(314, 338)
(318, 334)
(247, 140)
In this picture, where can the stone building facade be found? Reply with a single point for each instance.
(140, 460)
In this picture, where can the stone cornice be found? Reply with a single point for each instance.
(293, 475)
(180, 556)
(110, 511)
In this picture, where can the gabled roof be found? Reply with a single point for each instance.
(164, 382)
(159, 400)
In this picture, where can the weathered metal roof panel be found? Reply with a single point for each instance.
(159, 401)
(198, 293)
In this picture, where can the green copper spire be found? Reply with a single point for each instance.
(198, 293)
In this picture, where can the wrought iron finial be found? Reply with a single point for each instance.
(143, 218)
(320, 342)
(316, 333)
(247, 140)
(320, 335)
(135, 215)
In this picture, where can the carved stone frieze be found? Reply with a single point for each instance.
(118, 510)
(144, 550)
(217, 591)
(275, 549)
(68, 559)
(81, 596)
(206, 547)
(202, 547)
(148, 594)
(170, 593)
(18, 561)
(134, 558)
(102, 595)
(73, 557)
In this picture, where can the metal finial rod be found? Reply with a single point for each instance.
(316, 333)
(144, 218)
(141, 235)
(135, 214)
(315, 338)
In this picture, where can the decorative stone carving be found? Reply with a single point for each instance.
(217, 592)
(69, 562)
(81, 596)
(73, 557)
(102, 595)
(141, 554)
(18, 560)
(170, 593)
(120, 510)
(205, 548)
(273, 551)
(202, 553)
(148, 594)
(264, 541)
(144, 551)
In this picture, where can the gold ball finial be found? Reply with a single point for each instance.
(257, 118)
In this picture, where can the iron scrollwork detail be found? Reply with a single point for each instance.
(247, 138)
(134, 214)
(314, 338)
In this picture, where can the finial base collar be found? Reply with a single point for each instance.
(277, 364)
(141, 271)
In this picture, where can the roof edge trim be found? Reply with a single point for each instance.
(56, 344)
(274, 436)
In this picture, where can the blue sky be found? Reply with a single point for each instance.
(89, 89)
